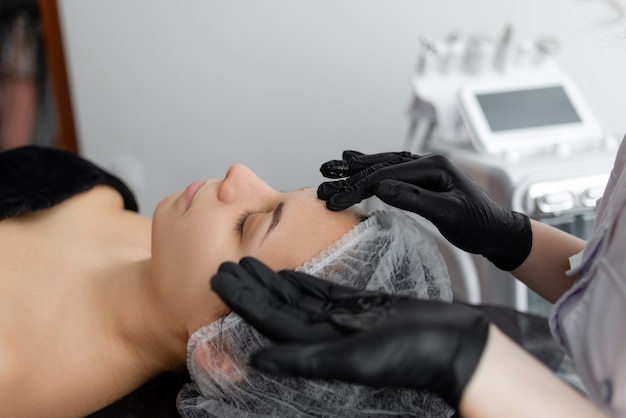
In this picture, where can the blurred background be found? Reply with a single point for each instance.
(166, 92)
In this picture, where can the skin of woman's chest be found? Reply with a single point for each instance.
(53, 333)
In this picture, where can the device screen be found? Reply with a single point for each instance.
(529, 108)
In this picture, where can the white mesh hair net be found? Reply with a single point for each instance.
(389, 252)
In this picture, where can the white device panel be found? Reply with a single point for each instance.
(527, 113)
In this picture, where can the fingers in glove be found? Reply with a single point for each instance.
(345, 199)
(361, 184)
(367, 311)
(285, 306)
(431, 205)
(315, 288)
(329, 188)
(382, 357)
(342, 194)
(407, 354)
(338, 168)
(236, 287)
(250, 280)
(324, 361)
(345, 308)
(432, 172)
(353, 161)
(268, 302)
(248, 296)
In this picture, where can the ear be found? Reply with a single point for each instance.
(215, 359)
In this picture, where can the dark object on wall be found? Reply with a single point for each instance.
(51, 24)
(28, 108)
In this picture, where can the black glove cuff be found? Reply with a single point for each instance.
(517, 250)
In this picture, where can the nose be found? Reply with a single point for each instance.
(241, 182)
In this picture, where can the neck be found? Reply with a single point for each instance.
(145, 328)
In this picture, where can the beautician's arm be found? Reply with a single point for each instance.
(510, 383)
(544, 269)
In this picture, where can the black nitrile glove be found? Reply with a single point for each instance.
(362, 337)
(431, 186)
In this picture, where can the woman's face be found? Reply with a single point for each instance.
(224, 220)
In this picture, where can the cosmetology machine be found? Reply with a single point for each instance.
(511, 118)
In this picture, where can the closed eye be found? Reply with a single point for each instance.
(242, 220)
(276, 217)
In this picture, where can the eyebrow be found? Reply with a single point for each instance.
(276, 217)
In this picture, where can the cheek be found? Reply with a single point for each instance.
(200, 249)
(185, 260)
(188, 252)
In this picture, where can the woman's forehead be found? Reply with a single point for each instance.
(308, 227)
(308, 213)
(306, 201)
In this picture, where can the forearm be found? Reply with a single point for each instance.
(544, 269)
(509, 382)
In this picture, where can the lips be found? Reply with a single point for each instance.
(191, 191)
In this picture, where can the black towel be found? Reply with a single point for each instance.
(35, 177)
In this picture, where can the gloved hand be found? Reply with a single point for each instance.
(352, 335)
(431, 186)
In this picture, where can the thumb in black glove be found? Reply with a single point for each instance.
(431, 186)
(352, 335)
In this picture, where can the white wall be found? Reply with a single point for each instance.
(167, 92)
